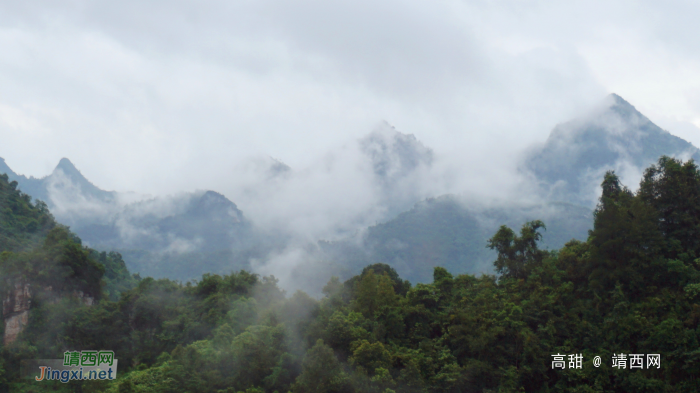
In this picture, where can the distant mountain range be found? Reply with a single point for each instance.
(161, 237)
(186, 235)
(176, 223)
(452, 232)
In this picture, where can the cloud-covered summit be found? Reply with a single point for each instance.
(394, 155)
(363, 198)
(400, 164)
(613, 136)
(181, 222)
(202, 220)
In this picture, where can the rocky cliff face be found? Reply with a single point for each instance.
(16, 305)
(84, 298)
(15, 311)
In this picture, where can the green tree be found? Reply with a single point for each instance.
(321, 372)
(373, 293)
(673, 189)
(517, 253)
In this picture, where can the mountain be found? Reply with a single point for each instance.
(199, 220)
(6, 170)
(633, 284)
(615, 136)
(183, 222)
(189, 234)
(65, 178)
(399, 163)
(451, 232)
(179, 237)
(44, 261)
(394, 155)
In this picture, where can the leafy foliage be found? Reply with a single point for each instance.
(22, 224)
(632, 287)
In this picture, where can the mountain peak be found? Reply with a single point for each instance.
(213, 205)
(624, 108)
(614, 136)
(67, 167)
(393, 153)
(618, 100)
(73, 174)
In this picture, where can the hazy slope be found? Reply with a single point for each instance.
(452, 232)
(181, 223)
(615, 136)
(185, 235)
(65, 178)
(179, 237)
(399, 163)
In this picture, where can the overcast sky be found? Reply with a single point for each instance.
(167, 96)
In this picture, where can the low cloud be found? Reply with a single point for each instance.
(165, 98)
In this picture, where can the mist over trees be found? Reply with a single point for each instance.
(453, 294)
(630, 288)
(383, 198)
(369, 196)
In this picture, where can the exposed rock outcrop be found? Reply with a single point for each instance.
(16, 304)
(84, 298)
(15, 311)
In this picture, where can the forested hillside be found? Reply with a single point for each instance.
(446, 232)
(22, 223)
(179, 237)
(633, 287)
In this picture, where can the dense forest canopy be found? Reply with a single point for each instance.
(22, 223)
(633, 288)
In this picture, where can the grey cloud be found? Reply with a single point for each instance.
(168, 97)
(186, 87)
